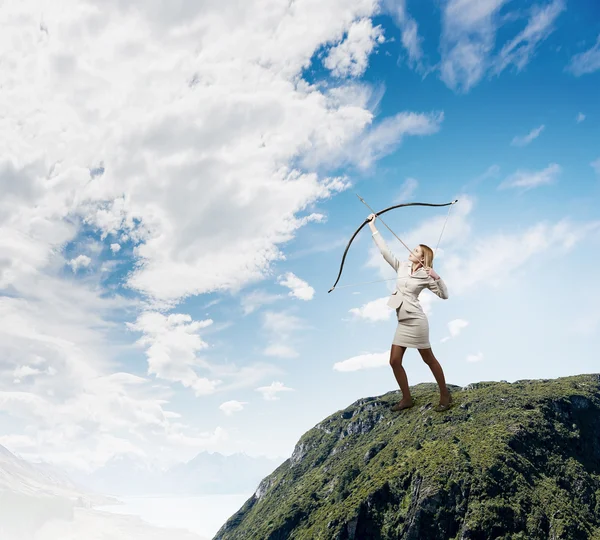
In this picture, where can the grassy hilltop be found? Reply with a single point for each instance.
(510, 460)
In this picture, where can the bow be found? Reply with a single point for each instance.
(378, 214)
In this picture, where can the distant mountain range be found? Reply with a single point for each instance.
(18, 476)
(41, 502)
(205, 474)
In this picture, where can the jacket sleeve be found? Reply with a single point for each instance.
(438, 287)
(387, 254)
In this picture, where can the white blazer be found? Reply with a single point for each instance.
(409, 285)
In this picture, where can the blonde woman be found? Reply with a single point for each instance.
(412, 331)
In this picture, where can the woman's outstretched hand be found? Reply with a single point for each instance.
(430, 271)
(371, 219)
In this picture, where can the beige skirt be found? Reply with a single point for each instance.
(412, 330)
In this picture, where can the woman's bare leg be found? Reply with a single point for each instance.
(396, 355)
(430, 359)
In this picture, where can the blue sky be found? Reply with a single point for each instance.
(178, 301)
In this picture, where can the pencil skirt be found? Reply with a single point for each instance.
(412, 330)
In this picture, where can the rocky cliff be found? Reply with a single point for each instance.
(510, 460)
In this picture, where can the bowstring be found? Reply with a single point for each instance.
(440, 238)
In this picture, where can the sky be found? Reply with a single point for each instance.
(179, 184)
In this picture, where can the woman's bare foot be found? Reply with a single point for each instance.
(404, 403)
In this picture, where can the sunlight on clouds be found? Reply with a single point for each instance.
(363, 361)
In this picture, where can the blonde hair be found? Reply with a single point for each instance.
(427, 255)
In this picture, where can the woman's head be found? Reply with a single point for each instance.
(422, 253)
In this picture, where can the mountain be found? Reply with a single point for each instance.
(205, 474)
(216, 473)
(18, 476)
(40, 502)
(510, 460)
(32, 494)
(123, 475)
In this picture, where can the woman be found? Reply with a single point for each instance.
(413, 328)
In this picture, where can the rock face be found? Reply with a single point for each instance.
(510, 460)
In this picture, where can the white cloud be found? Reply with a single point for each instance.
(580, 118)
(468, 34)
(231, 407)
(256, 299)
(407, 190)
(225, 120)
(596, 165)
(81, 261)
(238, 96)
(281, 322)
(350, 57)
(531, 179)
(526, 139)
(363, 361)
(281, 351)
(409, 30)
(300, 288)
(495, 258)
(520, 50)
(384, 137)
(115, 248)
(25, 371)
(78, 410)
(469, 30)
(281, 326)
(455, 327)
(376, 140)
(376, 310)
(270, 392)
(171, 344)
(587, 61)
(475, 357)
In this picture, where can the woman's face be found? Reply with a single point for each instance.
(416, 255)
